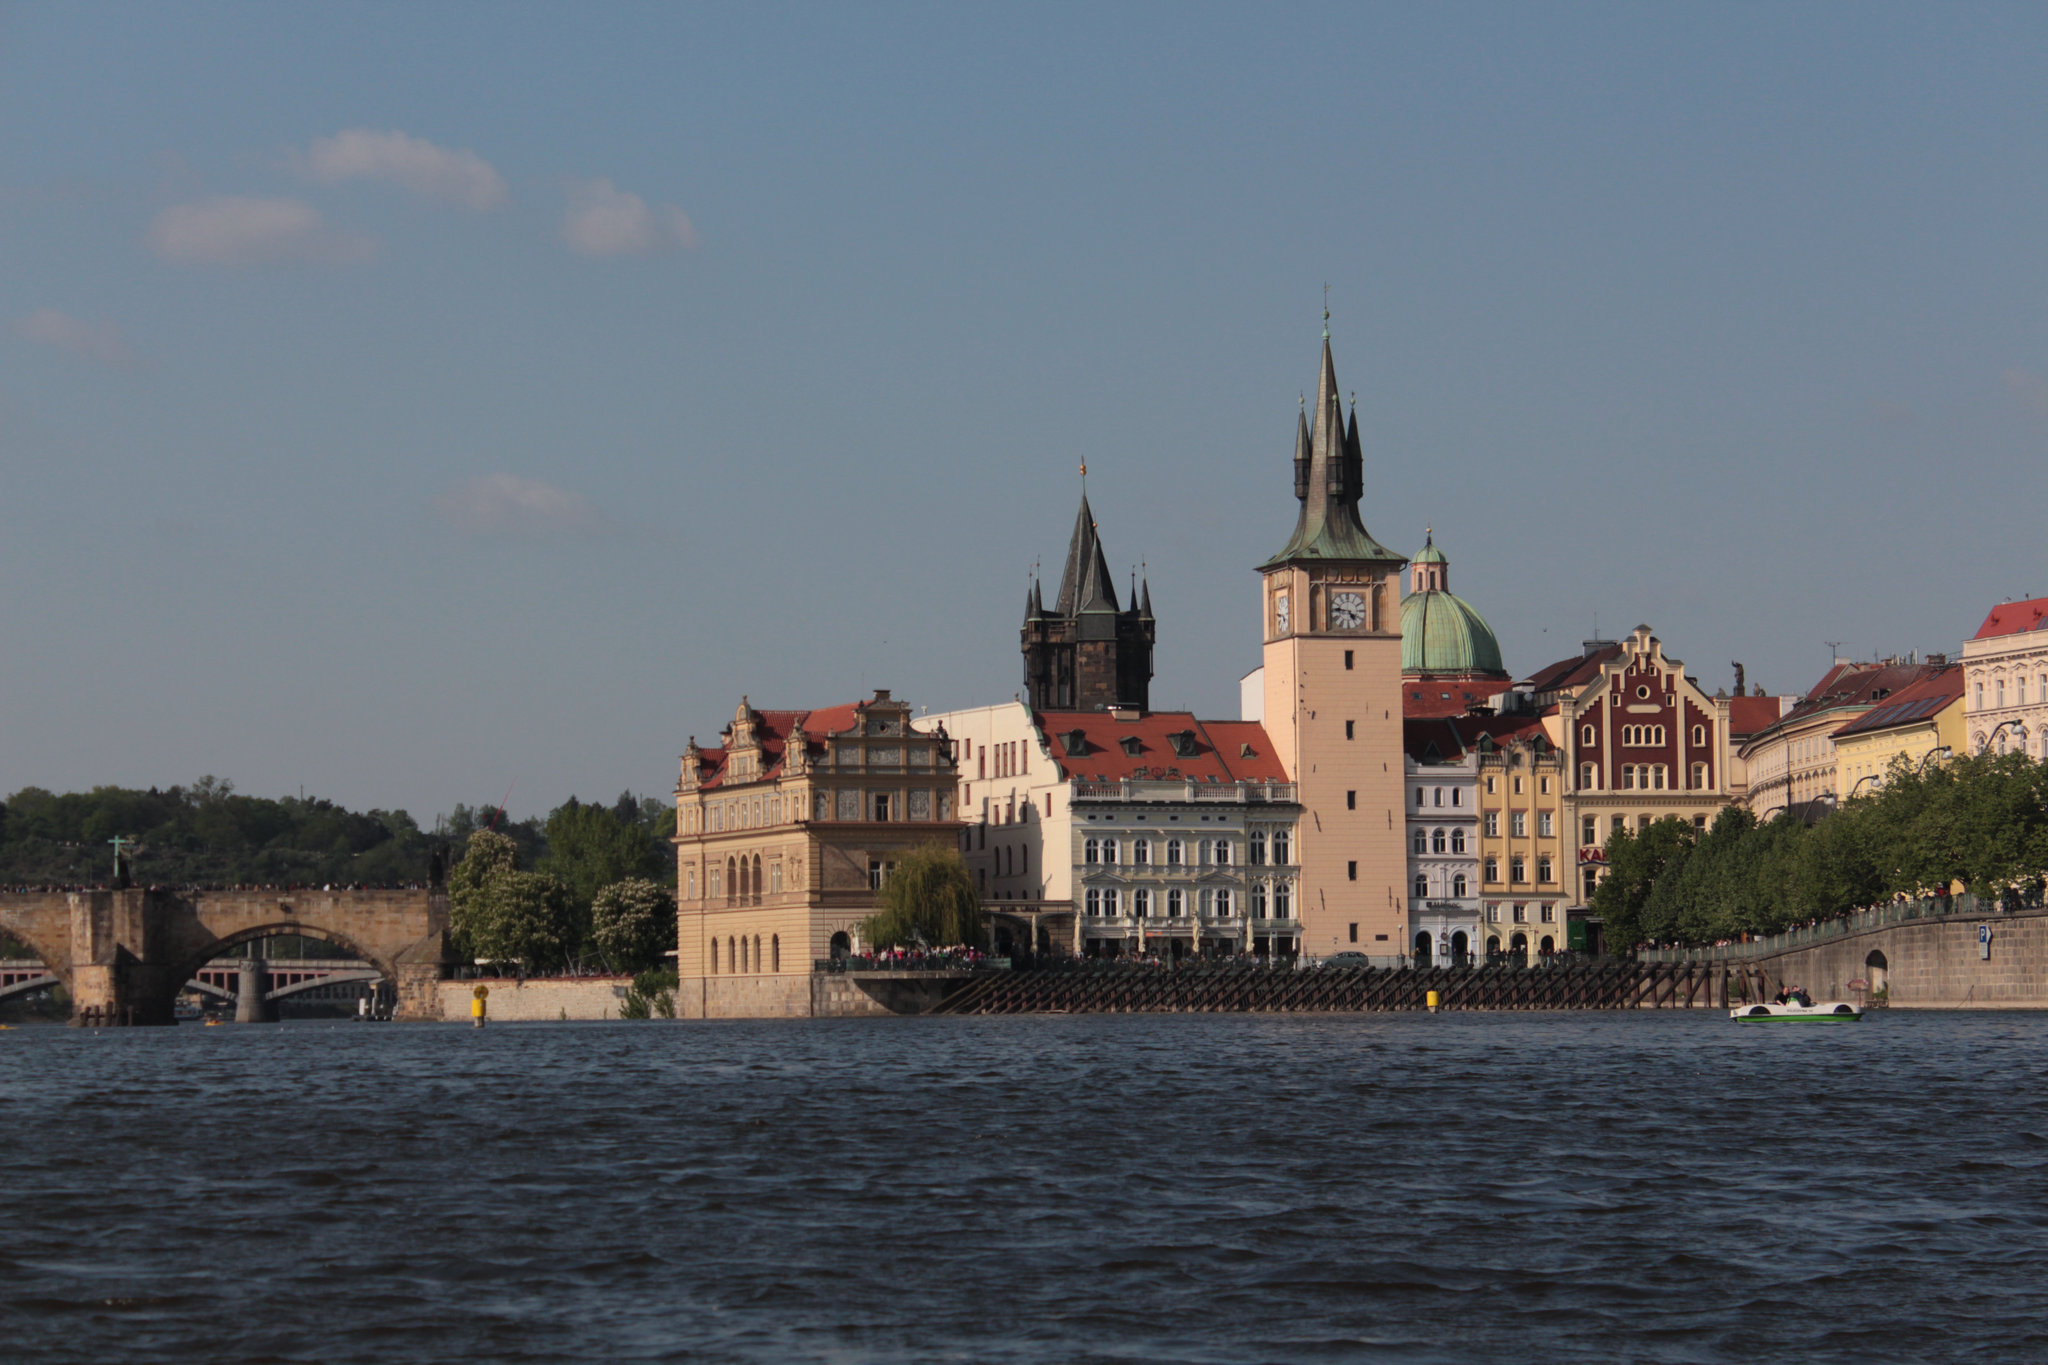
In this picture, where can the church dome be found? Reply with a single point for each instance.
(1440, 632)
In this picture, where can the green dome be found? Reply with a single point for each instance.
(1430, 554)
(1440, 633)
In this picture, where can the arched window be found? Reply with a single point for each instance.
(1141, 902)
(1091, 851)
(775, 950)
(1458, 884)
(1141, 850)
(1023, 859)
(732, 954)
(1112, 902)
(1175, 903)
(1094, 902)
(1493, 869)
(757, 952)
(1223, 853)
(1586, 736)
(732, 879)
(1544, 947)
(1586, 776)
(1281, 854)
(1258, 900)
(714, 957)
(1222, 902)
(1258, 848)
(1457, 841)
(1282, 898)
(757, 896)
(1174, 849)
(1457, 796)
(1439, 796)
(1421, 886)
(1109, 850)
(1421, 840)
(775, 876)
(1438, 841)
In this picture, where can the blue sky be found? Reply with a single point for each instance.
(417, 403)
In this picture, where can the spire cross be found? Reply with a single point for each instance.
(1326, 310)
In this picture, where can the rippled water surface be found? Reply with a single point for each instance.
(1629, 1187)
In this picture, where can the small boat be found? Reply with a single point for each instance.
(1793, 1011)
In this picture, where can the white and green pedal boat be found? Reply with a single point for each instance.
(1793, 1011)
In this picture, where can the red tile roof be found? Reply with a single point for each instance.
(2010, 618)
(1748, 715)
(1444, 739)
(1421, 697)
(1567, 674)
(1219, 747)
(1913, 704)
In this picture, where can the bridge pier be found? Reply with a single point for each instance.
(250, 1006)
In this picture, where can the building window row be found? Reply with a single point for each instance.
(1439, 841)
(1642, 736)
(743, 955)
(1108, 849)
(1435, 796)
(1109, 902)
(1458, 886)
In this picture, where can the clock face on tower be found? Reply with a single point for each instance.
(1280, 614)
(1347, 611)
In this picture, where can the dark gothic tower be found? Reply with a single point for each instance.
(1086, 653)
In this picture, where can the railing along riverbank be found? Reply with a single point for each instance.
(1963, 906)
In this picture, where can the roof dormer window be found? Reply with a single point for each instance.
(1183, 742)
(1075, 741)
(1132, 745)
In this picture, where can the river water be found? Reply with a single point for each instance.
(1493, 1188)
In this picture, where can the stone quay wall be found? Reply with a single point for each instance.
(808, 995)
(514, 1002)
(1927, 963)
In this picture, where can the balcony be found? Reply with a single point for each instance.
(1163, 792)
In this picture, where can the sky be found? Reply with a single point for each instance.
(415, 405)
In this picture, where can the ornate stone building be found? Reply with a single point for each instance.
(783, 833)
(2006, 679)
(1087, 654)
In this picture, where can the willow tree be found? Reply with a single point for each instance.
(927, 899)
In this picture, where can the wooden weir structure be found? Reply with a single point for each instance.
(1197, 988)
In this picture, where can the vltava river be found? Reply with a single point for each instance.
(1590, 1187)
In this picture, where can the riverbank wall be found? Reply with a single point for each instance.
(515, 1002)
(1904, 957)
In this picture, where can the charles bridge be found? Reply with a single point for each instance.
(123, 955)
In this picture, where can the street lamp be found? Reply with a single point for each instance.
(1943, 751)
(2017, 726)
(1867, 777)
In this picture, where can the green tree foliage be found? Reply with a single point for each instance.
(928, 899)
(1635, 862)
(633, 923)
(1979, 821)
(591, 847)
(499, 913)
(653, 993)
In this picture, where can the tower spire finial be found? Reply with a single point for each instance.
(1326, 310)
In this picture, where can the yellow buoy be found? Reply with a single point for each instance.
(1432, 1001)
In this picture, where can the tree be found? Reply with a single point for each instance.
(633, 923)
(501, 914)
(928, 899)
(1635, 860)
(590, 847)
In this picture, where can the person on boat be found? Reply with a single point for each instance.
(1781, 997)
(1801, 998)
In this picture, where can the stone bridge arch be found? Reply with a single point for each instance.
(126, 953)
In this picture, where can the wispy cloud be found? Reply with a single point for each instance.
(2030, 389)
(604, 220)
(236, 230)
(101, 341)
(506, 504)
(445, 173)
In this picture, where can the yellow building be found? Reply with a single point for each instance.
(783, 834)
(1525, 862)
(1792, 763)
(1923, 718)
